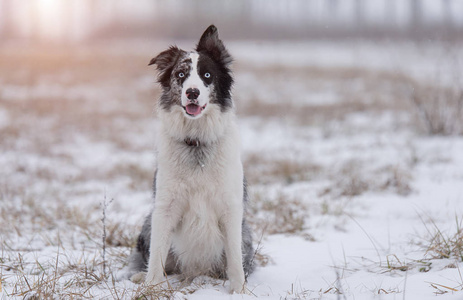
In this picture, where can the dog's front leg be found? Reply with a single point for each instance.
(162, 224)
(232, 227)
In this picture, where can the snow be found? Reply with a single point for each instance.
(370, 244)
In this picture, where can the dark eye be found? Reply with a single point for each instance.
(181, 74)
(207, 75)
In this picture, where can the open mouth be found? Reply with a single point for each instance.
(194, 109)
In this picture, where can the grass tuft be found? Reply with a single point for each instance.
(438, 109)
(446, 246)
(262, 170)
(354, 178)
(278, 215)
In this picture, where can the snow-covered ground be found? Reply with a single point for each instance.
(352, 199)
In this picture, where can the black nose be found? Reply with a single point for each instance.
(192, 94)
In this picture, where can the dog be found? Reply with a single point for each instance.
(197, 226)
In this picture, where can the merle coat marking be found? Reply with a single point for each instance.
(197, 226)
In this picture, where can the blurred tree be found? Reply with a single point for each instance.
(447, 14)
(416, 14)
(332, 6)
(391, 13)
(359, 11)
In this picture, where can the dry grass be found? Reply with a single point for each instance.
(437, 245)
(23, 214)
(395, 264)
(68, 91)
(354, 178)
(82, 281)
(264, 170)
(446, 246)
(439, 109)
(119, 236)
(33, 229)
(62, 229)
(355, 90)
(277, 215)
(308, 115)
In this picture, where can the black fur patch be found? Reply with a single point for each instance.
(220, 78)
(212, 46)
(214, 55)
(174, 67)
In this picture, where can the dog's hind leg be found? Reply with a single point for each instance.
(247, 247)
(136, 265)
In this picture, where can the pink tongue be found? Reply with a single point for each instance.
(193, 109)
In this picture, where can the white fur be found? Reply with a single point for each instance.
(198, 210)
(194, 81)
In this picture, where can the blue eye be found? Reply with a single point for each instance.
(181, 75)
(207, 75)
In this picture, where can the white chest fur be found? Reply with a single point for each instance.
(202, 198)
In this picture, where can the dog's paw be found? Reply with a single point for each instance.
(238, 288)
(246, 291)
(138, 278)
(152, 279)
(243, 291)
(122, 275)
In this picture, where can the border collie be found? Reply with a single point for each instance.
(197, 226)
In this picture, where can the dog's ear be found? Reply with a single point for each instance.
(211, 45)
(166, 58)
(165, 62)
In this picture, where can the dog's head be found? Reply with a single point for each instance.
(196, 80)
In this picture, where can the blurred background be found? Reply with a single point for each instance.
(84, 20)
